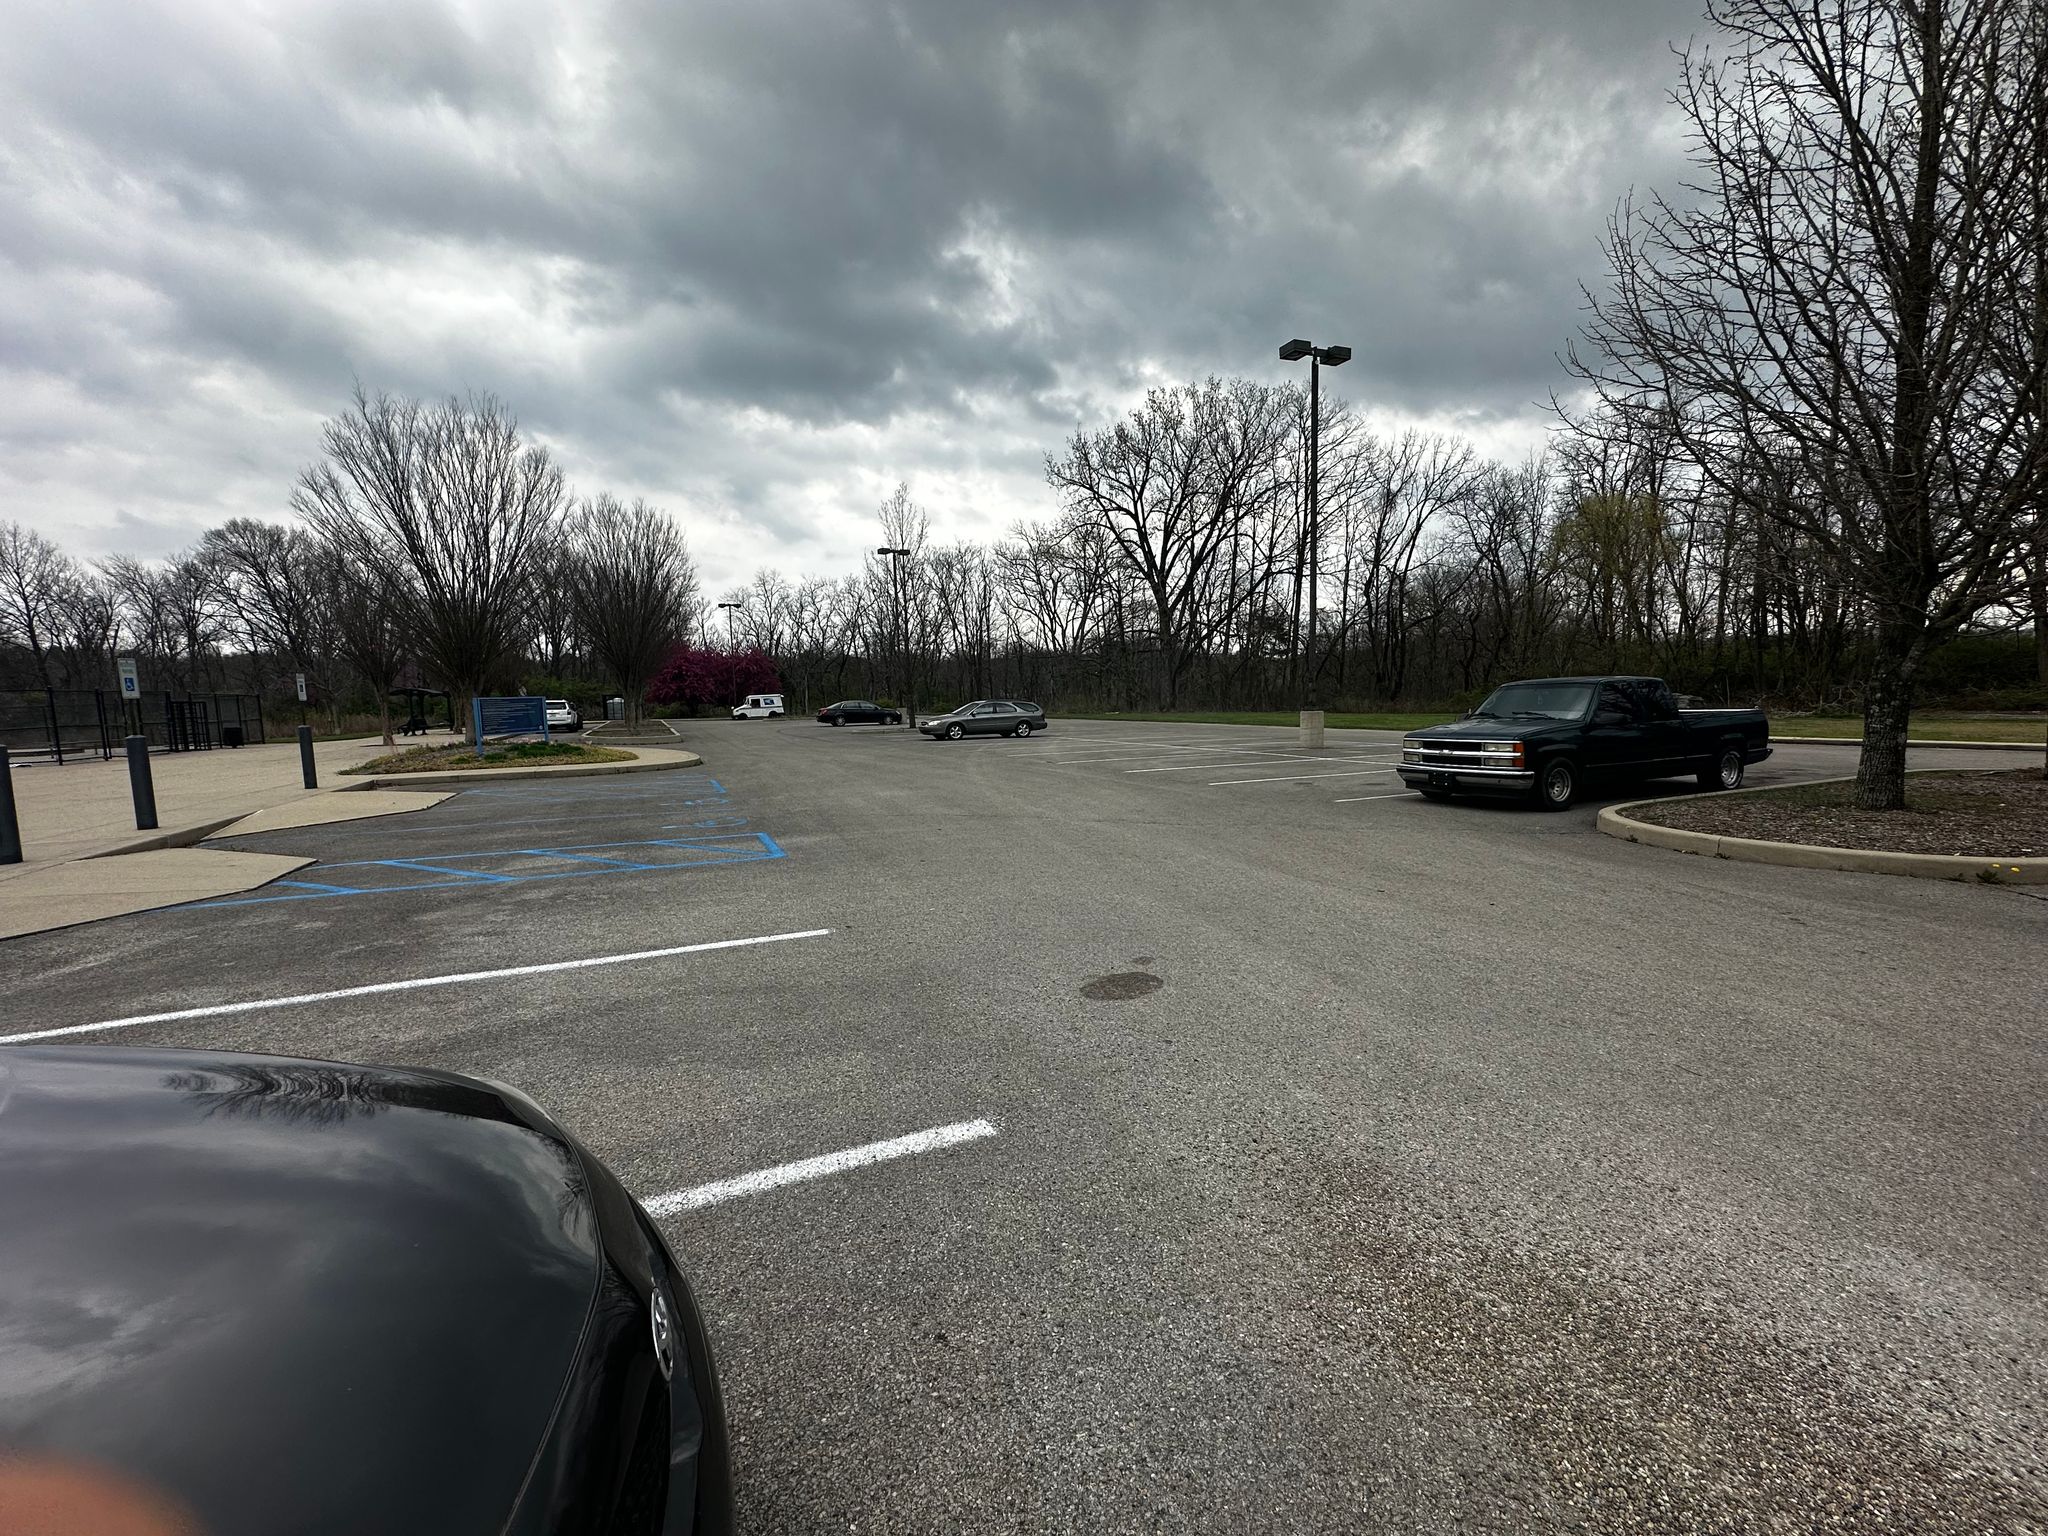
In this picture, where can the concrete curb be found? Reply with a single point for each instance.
(2034, 747)
(1616, 822)
(177, 837)
(671, 761)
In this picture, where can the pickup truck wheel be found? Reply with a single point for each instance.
(1557, 784)
(1726, 772)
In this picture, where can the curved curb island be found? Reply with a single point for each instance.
(645, 760)
(1616, 822)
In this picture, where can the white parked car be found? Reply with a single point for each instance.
(759, 706)
(563, 716)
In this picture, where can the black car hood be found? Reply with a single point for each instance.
(293, 1297)
(1497, 728)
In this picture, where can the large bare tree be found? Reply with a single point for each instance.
(449, 506)
(633, 582)
(1826, 298)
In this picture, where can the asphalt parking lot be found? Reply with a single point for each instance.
(1306, 1156)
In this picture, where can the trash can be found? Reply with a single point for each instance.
(231, 735)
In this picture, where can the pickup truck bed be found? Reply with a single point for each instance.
(1551, 739)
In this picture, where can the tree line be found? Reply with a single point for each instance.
(435, 546)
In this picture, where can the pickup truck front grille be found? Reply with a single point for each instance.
(1468, 755)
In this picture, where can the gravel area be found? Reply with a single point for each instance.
(1996, 815)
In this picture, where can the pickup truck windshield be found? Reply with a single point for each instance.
(1550, 701)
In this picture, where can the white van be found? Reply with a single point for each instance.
(759, 706)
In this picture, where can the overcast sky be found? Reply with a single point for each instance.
(758, 261)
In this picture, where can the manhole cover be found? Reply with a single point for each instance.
(1121, 987)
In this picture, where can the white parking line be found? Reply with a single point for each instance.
(1286, 758)
(1089, 755)
(1069, 743)
(817, 1167)
(253, 1005)
(1363, 773)
(1399, 794)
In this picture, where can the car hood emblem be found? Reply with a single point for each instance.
(662, 1323)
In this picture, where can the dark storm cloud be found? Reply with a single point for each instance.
(779, 255)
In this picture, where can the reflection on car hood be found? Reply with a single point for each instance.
(289, 1295)
(1497, 728)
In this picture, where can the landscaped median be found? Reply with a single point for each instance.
(1983, 826)
(461, 763)
(462, 757)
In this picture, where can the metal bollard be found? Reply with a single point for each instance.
(140, 784)
(10, 823)
(306, 757)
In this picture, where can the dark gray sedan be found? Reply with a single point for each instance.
(987, 717)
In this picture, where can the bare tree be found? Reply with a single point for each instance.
(449, 506)
(367, 611)
(36, 578)
(552, 612)
(633, 581)
(91, 623)
(1827, 298)
(272, 578)
(1171, 486)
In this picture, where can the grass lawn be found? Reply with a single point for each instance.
(1931, 726)
(1393, 721)
(461, 755)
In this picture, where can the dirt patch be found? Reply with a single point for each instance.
(461, 755)
(1120, 987)
(1978, 815)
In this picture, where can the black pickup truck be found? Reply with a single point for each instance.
(1548, 738)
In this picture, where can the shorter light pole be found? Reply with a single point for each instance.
(732, 663)
(896, 558)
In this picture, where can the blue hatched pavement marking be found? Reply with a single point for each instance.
(742, 848)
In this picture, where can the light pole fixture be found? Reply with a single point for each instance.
(1293, 352)
(897, 556)
(732, 660)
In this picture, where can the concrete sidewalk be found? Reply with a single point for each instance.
(83, 810)
(86, 860)
(75, 815)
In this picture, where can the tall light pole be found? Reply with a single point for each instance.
(1294, 352)
(732, 660)
(896, 558)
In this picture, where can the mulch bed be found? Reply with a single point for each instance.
(462, 755)
(1995, 815)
